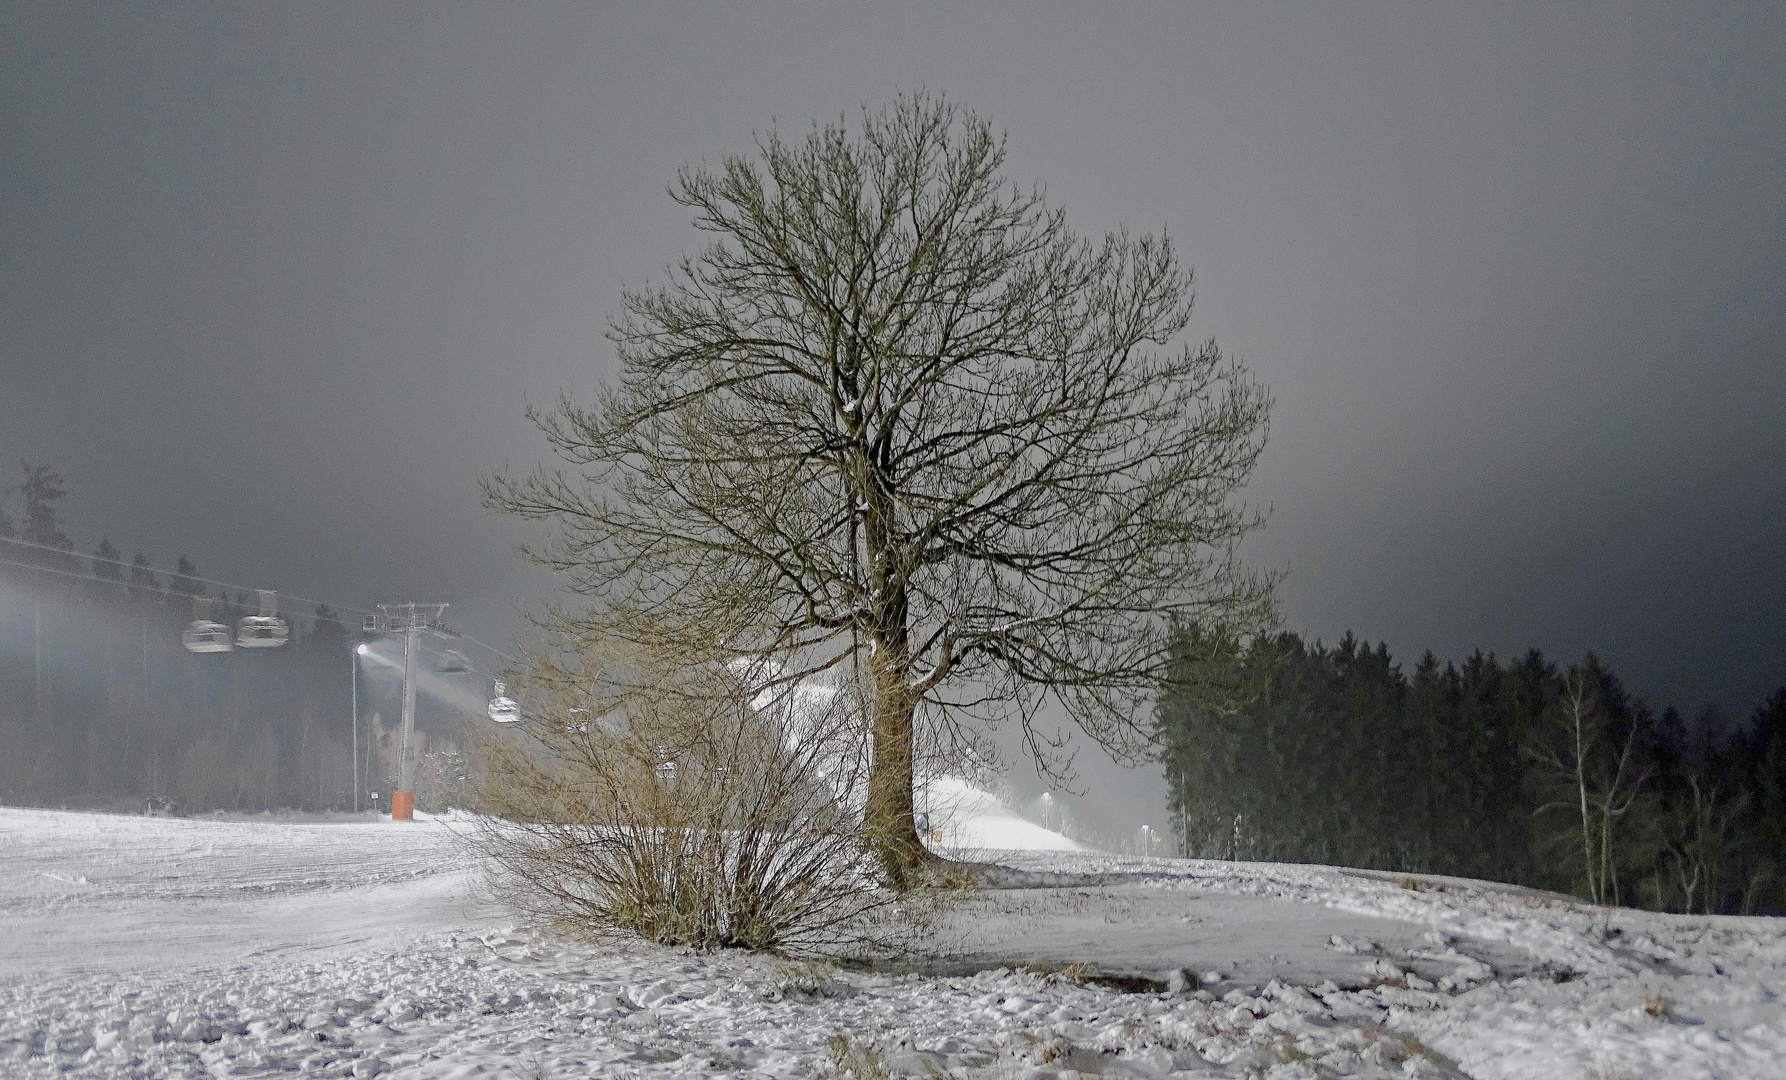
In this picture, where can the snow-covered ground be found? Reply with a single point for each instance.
(149, 947)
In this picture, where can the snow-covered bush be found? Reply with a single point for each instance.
(660, 791)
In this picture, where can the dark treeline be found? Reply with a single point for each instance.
(1516, 771)
(101, 706)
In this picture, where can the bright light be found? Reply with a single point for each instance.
(363, 649)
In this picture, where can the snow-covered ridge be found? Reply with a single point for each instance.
(157, 947)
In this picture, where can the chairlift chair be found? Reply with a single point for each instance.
(201, 634)
(503, 709)
(266, 630)
(205, 636)
(451, 660)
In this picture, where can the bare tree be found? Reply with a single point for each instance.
(1699, 832)
(910, 423)
(1598, 765)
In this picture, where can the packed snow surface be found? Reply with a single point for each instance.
(963, 816)
(154, 947)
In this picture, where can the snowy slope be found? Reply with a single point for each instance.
(962, 816)
(101, 892)
(159, 948)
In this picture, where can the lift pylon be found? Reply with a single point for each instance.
(409, 620)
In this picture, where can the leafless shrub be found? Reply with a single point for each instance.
(808, 978)
(856, 1061)
(659, 790)
(1284, 1050)
(1396, 1048)
(1044, 1047)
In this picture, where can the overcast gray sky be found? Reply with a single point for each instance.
(277, 280)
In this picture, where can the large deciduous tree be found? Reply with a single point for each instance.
(910, 422)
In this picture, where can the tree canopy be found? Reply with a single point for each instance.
(898, 416)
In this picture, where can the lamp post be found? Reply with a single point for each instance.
(353, 661)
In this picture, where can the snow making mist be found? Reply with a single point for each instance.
(467, 691)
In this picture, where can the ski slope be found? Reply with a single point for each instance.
(154, 947)
(963, 817)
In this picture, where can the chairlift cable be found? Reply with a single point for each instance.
(492, 648)
(65, 573)
(70, 553)
(35, 568)
(169, 573)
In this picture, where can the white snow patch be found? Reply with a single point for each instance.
(150, 947)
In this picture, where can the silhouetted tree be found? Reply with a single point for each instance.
(108, 569)
(898, 416)
(328, 635)
(184, 581)
(42, 490)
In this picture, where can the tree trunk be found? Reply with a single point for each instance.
(888, 817)
(1577, 716)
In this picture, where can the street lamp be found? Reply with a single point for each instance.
(353, 661)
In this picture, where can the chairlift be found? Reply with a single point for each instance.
(201, 634)
(503, 709)
(204, 636)
(265, 630)
(451, 660)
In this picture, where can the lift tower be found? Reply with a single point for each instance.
(408, 620)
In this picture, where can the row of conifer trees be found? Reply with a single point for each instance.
(1513, 770)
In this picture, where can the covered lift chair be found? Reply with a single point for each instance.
(266, 630)
(503, 709)
(201, 634)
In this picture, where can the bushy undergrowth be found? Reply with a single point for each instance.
(662, 792)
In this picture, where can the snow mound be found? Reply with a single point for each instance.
(964, 816)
